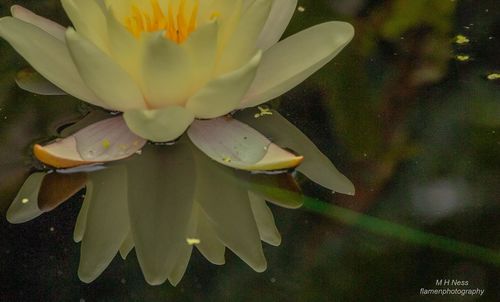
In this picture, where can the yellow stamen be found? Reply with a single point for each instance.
(177, 24)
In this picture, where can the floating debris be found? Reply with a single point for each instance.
(461, 39)
(263, 111)
(193, 241)
(463, 58)
(25, 200)
(106, 143)
(493, 76)
(301, 9)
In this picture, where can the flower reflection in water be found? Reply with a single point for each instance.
(168, 199)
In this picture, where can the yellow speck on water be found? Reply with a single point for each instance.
(301, 9)
(193, 241)
(25, 200)
(493, 76)
(106, 144)
(461, 39)
(263, 111)
(463, 58)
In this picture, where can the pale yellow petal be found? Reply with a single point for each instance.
(162, 125)
(222, 95)
(104, 76)
(291, 61)
(48, 55)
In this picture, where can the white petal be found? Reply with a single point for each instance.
(242, 45)
(48, 55)
(185, 250)
(162, 125)
(210, 246)
(222, 95)
(88, 19)
(104, 76)
(104, 141)
(123, 46)
(166, 71)
(279, 18)
(316, 165)
(81, 219)
(107, 222)
(25, 206)
(237, 145)
(265, 220)
(127, 246)
(227, 207)
(291, 61)
(31, 81)
(202, 48)
(47, 25)
(160, 203)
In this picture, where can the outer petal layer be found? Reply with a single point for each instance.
(291, 61)
(47, 25)
(48, 55)
(281, 14)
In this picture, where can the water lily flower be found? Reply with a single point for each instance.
(166, 63)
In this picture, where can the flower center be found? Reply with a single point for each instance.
(178, 22)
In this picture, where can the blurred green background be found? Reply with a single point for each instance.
(404, 111)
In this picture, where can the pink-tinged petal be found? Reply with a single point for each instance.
(105, 141)
(30, 80)
(51, 27)
(235, 144)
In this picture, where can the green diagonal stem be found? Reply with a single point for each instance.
(393, 230)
